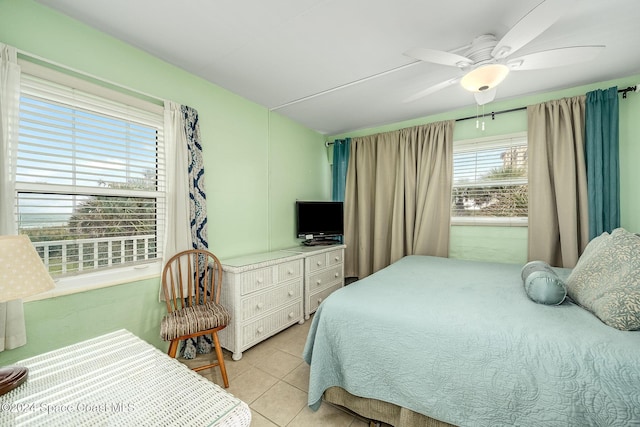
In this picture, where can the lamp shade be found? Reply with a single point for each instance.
(484, 77)
(22, 272)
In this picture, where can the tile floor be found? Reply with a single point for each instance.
(273, 379)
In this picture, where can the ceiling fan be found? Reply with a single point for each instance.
(487, 61)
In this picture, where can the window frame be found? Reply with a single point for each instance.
(497, 141)
(117, 275)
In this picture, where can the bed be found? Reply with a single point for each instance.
(430, 341)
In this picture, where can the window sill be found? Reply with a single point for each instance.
(91, 281)
(493, 222)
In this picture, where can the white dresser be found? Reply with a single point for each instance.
(264, 294)
(323, 273)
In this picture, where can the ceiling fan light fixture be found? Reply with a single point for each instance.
(484, 77)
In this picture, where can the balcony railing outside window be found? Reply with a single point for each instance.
(65, 257)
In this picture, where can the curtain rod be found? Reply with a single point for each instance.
(493, 114)
(624, 91)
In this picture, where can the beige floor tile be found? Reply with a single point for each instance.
(296, 331)
(281, 339)
(251, 384)
(278, 363)
(258, 420)
(236, 367)
(281, 403)
(299, 377)
(293, 346)
(259, 351)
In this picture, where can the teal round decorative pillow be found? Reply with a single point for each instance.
(542, 284)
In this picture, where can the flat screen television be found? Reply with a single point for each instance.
(317, 221)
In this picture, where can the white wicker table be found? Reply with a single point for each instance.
(117, 380)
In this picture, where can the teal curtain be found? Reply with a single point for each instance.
(341, 149)
(602, 158)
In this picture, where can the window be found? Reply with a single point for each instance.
(89, 176)
(490, 181)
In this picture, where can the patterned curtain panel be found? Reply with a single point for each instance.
(602, 153)
(198, 210)
(197, 194)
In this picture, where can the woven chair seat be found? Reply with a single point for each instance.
(190, 320)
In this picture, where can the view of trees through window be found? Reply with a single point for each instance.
(101, 231)
(490, 181)
(86, 184)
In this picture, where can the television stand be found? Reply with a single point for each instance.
(320, 242)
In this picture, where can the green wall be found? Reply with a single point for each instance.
(509, 244)
(55, 322)
(257, 164)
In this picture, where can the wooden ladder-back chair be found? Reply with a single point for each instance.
(191, 283)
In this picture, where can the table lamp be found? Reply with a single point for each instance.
(22, 274)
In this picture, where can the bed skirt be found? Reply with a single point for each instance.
(380, 411)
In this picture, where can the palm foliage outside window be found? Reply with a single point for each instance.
(89, 178)
(490, 181)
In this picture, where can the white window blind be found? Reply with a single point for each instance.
(89, 178)
(490, 181)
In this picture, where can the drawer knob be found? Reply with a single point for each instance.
(260, 280)
(318, 282)
(290, 293)
(337, 274)
(337, 258)
(260, 305)
(319, 301)
(260, 329)
(290, 272)
(291, 315)
(319, 262)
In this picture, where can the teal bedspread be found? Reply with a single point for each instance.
(459, 341)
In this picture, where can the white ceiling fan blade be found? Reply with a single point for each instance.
(486, 96)
(554, 57)
(432, 89)
(439, 57)
(530, 26)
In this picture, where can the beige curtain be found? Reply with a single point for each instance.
(558, 209)
(398, 196)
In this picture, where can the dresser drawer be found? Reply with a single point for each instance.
(251, 281)
(316, 298)
(335, 257)
(325, 278)
(290, 270)
(317, 262)
(258, 330)
(260, 303)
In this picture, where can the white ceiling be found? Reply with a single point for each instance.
(338, 65)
